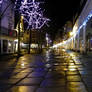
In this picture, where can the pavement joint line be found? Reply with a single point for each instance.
(16, 82)
(40, 82)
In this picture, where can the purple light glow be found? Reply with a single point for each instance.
(32, 13)
(1, 2)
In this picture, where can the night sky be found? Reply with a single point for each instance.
(60, 11)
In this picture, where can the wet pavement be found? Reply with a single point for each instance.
(86, 70)
(49, 72)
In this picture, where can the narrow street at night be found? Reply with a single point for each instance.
(45, 45)
(62, 71)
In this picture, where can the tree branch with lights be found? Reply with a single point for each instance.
(32, 13)
(1, 2)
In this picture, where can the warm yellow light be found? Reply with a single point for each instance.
(71, 33)
(9, 44)
(22, 17)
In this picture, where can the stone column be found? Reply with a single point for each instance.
(78, 42)
(74, 43)
(84, 38)
(14, 47)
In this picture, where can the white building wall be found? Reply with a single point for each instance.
(85, 12)
(83, 16)
(7, 25)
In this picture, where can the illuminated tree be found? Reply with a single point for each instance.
(32, 13)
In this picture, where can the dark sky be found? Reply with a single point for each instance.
(60, 11)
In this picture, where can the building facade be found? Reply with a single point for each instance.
(7, 32)
(82, 30)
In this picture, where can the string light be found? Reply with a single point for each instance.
(32, 13)
(1, 2)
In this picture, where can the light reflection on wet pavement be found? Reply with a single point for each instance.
(49, 72)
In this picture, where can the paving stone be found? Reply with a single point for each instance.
(6, 75)
(78, 63)
(60, 68)
(70, 89)
(72, 73)
(83, 72)
(28, 70)
(75, 84)
(64, 64)
(89, 89)
(72, 69)
(71, 61)
(8, 81)
(4, 88)
(81, 68)
(73, 78)
(55, 75)
(17, 70)
(53, 89)
(19, 75)
(37, 74)
(30, 81)
(53, 82)
(71, 64)
(40, 69)
(23, 89)
(88, 81)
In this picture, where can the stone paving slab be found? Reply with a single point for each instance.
(19, 75)
(74, 78)
(53, 83)
(23, 89)
(53, 89)
(75, 84)
(30, 81)
(36, 74)
(72, 73)
(70, 89)
(8, 81)
(55, 74)
(28, 70)
(4, 87)
(40, 69)
(90, 89)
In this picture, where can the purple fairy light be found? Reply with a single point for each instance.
(32, 13)
(1, 2)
